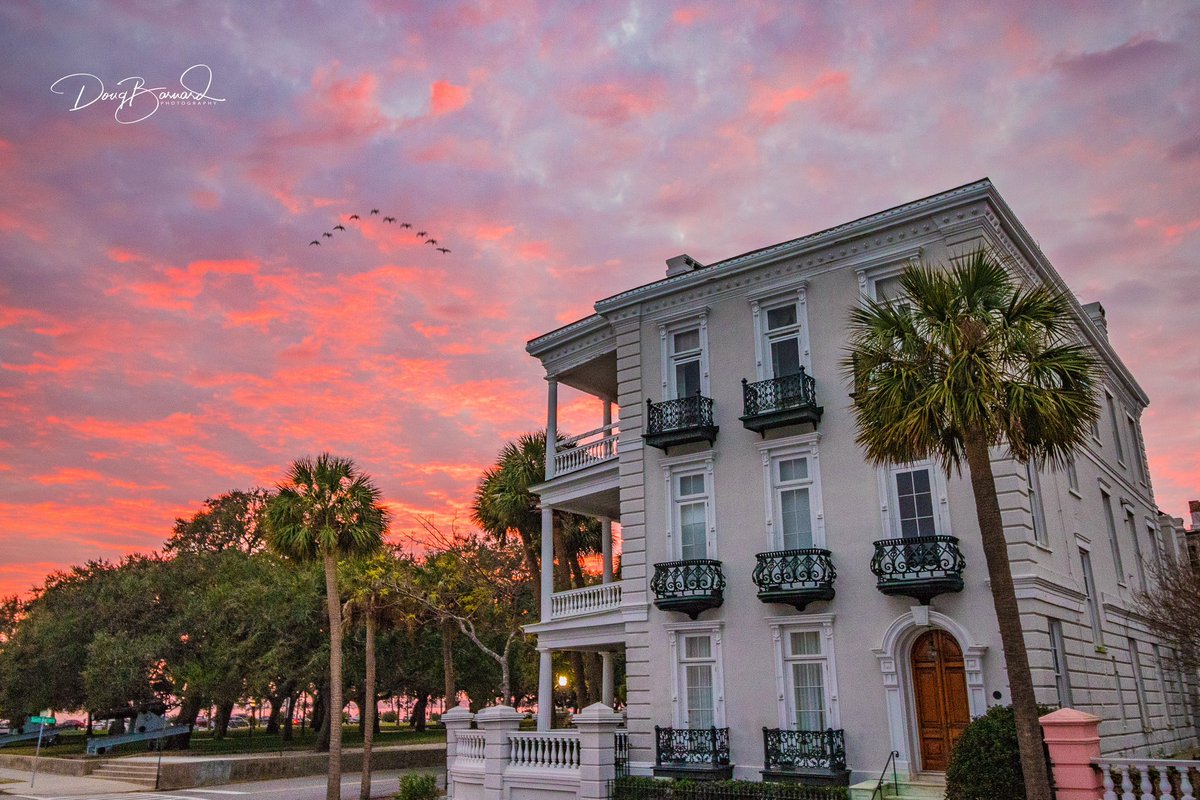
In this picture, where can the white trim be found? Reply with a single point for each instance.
(762, 302)
(886, 265)
(937, 485)
(714, 629)
(822, 623)
(803, 445)
(698, 319)
(681, 465)
(894, 654)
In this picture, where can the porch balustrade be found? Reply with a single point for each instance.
(588, 600)
(586, 450)
(553, 750)
(1148, 779)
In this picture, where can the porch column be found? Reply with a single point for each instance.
(545, 715)
(551, 424)
(606, 548)
(607, 690)
(547, 560)
(607, 413)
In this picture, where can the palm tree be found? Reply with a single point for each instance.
(966, 361)
(328, 510)
(504, 505)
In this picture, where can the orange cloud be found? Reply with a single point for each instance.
(446, 97)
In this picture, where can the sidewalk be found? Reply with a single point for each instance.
(62, 785)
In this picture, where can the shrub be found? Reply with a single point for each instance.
(986, 761)
(638, 788)
(416, 786)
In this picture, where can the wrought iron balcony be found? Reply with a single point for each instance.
(672, 422)
(688, 586)
(795, 577)
(775, 402)
(817, 757)
(920, 567)
(699, 753)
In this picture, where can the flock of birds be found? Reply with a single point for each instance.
(424, 235)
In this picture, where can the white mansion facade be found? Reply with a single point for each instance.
(781, 604)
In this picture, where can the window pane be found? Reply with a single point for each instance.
(699, 696)
(785, 357)
(795, 519)
(692, 526)
(691, 484)
(809, 688)
(781, 317)
(793, 469)
(697, 647)
(805, 643)
(914, 503)
(687, 379)
(687, 340)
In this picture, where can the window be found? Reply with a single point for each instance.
(1072, 475)
(912, 502)
(1112, 536)
(781, 345)
(889, 288)
(1139, 684)
(1035, 504)
(1058, 658)
(698, 667)
(1089, 589)
(1116, 429)
(1135, 444)
(793, 502)
(1162, 684)
(1094, 427)
(685, 353)
(1131, 526)
(1184, 688)
(805, 668)
(690, 504)
(1155, 547)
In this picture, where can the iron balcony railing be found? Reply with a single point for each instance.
(776, 394)
(689, 586)
(804, 749)
(796, 577)
(920, 567)
(621, 753)
(672, 422)
(691, 746)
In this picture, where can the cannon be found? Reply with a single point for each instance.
(149, 725)
(29, 732)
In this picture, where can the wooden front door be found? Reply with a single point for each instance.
(940, 692)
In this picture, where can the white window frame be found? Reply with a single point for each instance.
(690, 465)
(1139, 684)
(1072, 470)
(1062, 673)
(1111, 402)
(771, 452)
(888, 266)
(780, 628)
(889, 506)
(1090, 592)
(1037, 508)
(675, 632)
(1110, 522)
(666, 332)
(759, 306)
(1162, 683)
(1132, 526)
(1137, 456)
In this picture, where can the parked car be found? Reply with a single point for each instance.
(5, 727)
(238, 722)
(72, 725)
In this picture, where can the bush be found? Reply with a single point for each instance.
(388, 716)
(986, 761)
(417, 787)
(638, 788)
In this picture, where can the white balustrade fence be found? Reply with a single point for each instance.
(470, 745)
(586, 449)
(553, 750)
(588, 600)
(1148, 779)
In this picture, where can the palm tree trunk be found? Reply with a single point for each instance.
(333, 788)
(368, 710)
(450, 690)
(1008, 618)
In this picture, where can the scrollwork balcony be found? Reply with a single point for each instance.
(688, 586)
(795, 577)
(775, 402)
(815, 757)
(920, 567)
(674, 422)
(698, 753)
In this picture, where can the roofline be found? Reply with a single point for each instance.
(540, 344)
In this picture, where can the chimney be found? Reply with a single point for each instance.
(1194, 507)
(681, 264)
(1095, 313)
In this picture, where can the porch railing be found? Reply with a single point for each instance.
(804, 749)
(588, 600)
(699, 746)
(471, 745)
(621, 754)
(544, 750)
(586, 449)
(1148, 779)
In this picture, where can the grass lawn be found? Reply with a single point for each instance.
(74, 744)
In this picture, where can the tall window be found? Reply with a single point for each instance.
(691, 514)
(1135, 444)
(1058, 657)
(913, 511)
(782, 340)
(805, 666)
(1139, 683)
(793, 502)
(1035, 504)
(1116, 429)
(1155, 547)
(889, 288)
(1089, 589)
(1131, 526)
(1162, 684)
(1112, 536)
(685, 363)
(698, 670)
(1072, 475)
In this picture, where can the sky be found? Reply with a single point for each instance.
(168, 332)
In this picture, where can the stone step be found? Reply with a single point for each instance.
(126, 772)
(917, 787)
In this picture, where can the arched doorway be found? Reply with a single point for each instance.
(940, 696)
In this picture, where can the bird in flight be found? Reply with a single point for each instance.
(389, 219)
(374, 211)
(327, 235)
(422, 234)
(355, 216)
(339, 227)
(314, 241)
(405, 224)
(443, 250)
(431, 241)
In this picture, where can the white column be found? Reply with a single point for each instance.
(607, 413)
(606, 548)
(545, 715)
(607, 690)
(551, 424)
(547, 560)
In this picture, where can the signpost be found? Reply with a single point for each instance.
(41, 722)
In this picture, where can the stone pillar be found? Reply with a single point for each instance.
(545, 715)
(496, 722)
(597, 726)
(606, 548)
(1073, 739)
(607, 689)
(551, 424)
(455, 719)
